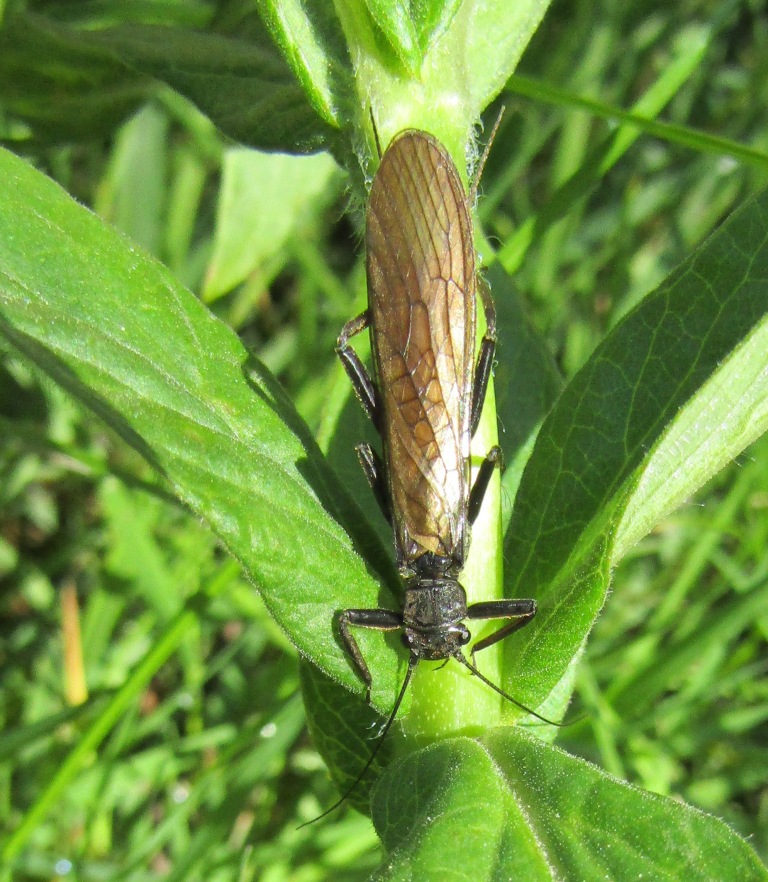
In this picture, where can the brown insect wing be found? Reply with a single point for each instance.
(421, 291)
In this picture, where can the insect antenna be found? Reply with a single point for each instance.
(460, 658)
(412, 662)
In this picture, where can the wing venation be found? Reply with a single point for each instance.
(421, 291)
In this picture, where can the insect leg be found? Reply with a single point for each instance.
(374, 472)
(477, 493)
(356, 371)
(379, 620)
(484, 363)
(519, 611)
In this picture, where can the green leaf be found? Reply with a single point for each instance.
(345, 730)
(496, 36)
(314, 47)
(432, 17)
(471, 50)
(94, 91)
(134, 556)
(132, 195)
(114, 328)
(510, 807)
(240, 82)
(676, 390)
(526, 380)
(393, 18)
(265, 198)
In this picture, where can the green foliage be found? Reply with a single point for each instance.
(285, 187)
(676, 390)
(509, 807)
(186, 759)
(186, 394)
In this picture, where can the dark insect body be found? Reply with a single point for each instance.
(426, 404)
(427, 400)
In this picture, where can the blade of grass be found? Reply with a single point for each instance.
(686, 136)
(166, 645)
(691, 51)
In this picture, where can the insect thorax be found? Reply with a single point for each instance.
(434, 608)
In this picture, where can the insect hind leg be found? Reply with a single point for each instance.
(356, 370)
(484, 364)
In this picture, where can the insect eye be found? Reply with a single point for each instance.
(465, 637)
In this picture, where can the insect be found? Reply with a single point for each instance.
(426, 403)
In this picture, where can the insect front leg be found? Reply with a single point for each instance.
(377, 619)
(356, 370)
(484, 364)
(520, 612)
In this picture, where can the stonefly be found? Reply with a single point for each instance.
(425, 403)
